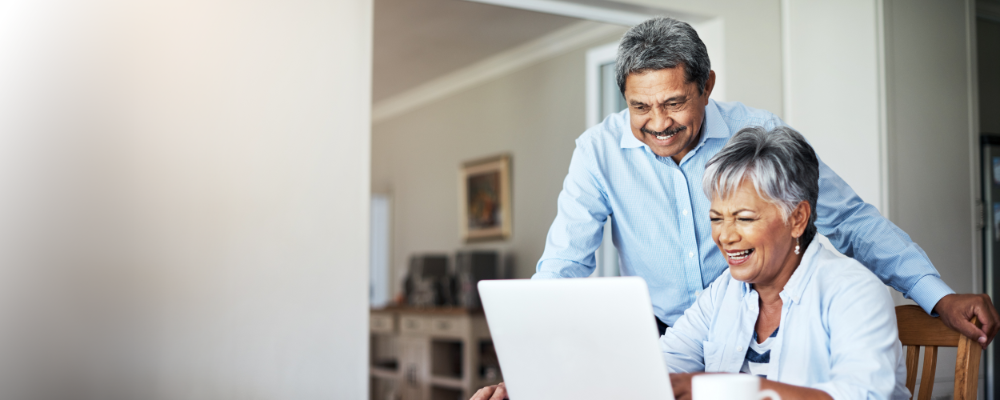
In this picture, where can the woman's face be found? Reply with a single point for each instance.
(756, 242)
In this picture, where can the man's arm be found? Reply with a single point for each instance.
(858, 230)
(579, 225)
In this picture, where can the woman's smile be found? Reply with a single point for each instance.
(738, 257)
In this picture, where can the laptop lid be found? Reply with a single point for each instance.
(589, 338)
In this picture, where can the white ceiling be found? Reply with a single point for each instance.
(419, 40)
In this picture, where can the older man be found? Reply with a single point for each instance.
(643, 169)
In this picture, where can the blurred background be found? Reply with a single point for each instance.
(293, 199)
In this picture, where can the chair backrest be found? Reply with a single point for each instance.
(916, 330)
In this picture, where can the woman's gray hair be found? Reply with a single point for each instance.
(781, 164)
(661, 43)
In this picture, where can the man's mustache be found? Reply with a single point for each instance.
(666, 132)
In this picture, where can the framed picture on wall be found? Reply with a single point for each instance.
(484, 199)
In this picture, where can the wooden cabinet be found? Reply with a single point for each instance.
(382, 323)
(414, 366)
(430, 354)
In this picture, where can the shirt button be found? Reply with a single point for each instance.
(740, 348)
(691, 254)
(685, 212)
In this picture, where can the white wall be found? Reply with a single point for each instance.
(184, 190)
(931, 133)
(832, 87)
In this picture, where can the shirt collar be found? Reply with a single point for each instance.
(714, 127)
(628, 139)
(796, 284)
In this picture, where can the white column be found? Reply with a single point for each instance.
(184, 190)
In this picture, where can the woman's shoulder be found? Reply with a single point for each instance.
(835, 271)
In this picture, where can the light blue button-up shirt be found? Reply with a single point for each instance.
(660, 221)
(837, 333)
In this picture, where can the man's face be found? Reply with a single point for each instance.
(666, 111)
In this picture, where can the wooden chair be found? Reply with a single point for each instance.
(917, 329)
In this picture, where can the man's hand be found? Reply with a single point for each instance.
(495, 392)
(681, 384)
(957, 309)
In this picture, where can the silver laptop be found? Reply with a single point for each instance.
(592, 338)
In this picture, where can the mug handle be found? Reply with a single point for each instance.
(768, 393)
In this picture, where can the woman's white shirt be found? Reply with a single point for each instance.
(838, 330)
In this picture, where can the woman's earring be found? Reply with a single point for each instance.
(796, 245)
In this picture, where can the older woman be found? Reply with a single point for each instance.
(811, 323)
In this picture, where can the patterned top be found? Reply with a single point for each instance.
(758, 356)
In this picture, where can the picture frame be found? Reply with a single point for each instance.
(484, 199)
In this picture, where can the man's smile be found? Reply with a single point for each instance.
(665, 134)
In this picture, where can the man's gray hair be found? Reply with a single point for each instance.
(781, 164)
(661, 43)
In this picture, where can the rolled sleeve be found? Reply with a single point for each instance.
(555, 268)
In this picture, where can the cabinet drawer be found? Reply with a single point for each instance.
(449, 327)
(382, 323)
(411, 324)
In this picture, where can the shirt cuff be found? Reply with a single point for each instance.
(928, 291)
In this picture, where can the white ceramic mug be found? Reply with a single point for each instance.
(729, 387)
